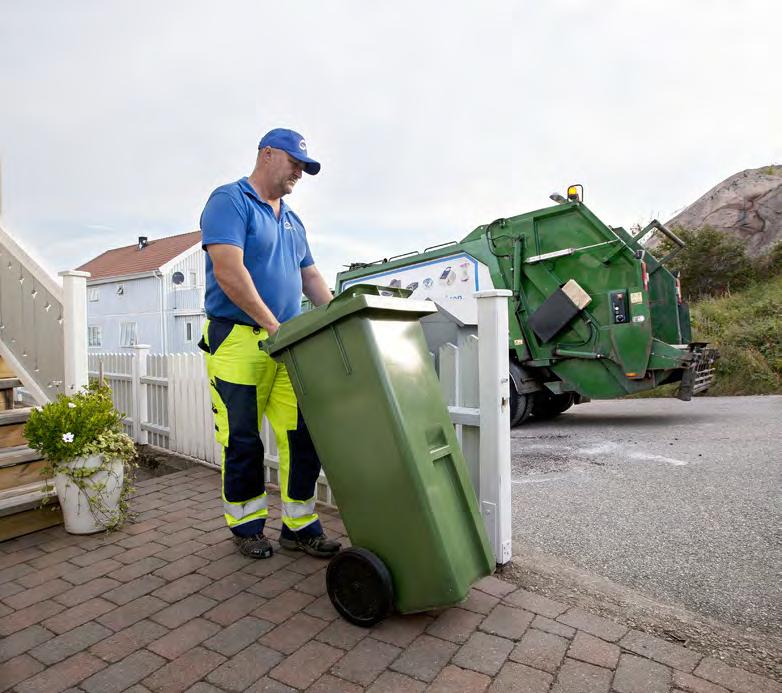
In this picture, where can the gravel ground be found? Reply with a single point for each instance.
(678, 500)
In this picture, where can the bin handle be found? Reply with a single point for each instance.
(662, 228)
(370, 290)
(440, 452)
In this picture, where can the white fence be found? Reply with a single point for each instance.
(166, 401)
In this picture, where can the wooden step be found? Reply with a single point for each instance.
(12, 416)
(23, 487)
(28, 521)
(5, 371)
(12, 423)
(30, 495)
(7, 386)
(21, 511)
(20, 466)
(22, 482)
(17, 455)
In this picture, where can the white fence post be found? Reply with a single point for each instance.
(494, 392)
(74, 325)
(139, 389)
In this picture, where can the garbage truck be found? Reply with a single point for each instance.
(592, 312)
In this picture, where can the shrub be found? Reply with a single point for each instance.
(712, 263)
(770, 264)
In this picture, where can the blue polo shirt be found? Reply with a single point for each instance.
(275, 250)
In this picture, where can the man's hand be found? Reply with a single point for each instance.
(314, 286)
(236, 282)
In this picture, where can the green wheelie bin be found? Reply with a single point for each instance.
(370, 397)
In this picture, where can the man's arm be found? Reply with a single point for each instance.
(236, 282)
(314, 286)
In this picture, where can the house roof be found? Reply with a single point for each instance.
(130, 260)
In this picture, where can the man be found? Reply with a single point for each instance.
(258, 263)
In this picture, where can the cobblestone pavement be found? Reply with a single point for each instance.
(168, 605)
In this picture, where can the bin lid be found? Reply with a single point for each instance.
(353, 300)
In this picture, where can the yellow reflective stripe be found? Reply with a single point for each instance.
(260, 515)
(296, 525)
(239, 511)
(298, 510)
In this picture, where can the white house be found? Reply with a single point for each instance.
(148, 293)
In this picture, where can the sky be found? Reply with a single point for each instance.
(117, 119)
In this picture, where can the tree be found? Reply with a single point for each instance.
(712, 263)
(770, 264)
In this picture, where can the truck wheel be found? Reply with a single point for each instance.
(547, 406)
(359, 586)
(520, 404)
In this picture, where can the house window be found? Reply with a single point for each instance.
(94, 336)
(127, 334)
(188, 331)
(193, 278)
(93, 294)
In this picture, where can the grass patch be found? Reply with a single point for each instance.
(747, 329)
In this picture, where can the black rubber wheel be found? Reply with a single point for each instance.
(546, 405)
(359, 586)
(520, 404)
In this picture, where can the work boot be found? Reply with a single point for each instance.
(317, 545)
(255, 546)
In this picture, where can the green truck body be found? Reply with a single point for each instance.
(593, 314)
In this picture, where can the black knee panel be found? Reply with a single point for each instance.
(243, 466)
(304, 464)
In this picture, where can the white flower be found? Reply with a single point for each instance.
(71, 405)
(67, 437)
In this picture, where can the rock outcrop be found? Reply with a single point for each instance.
(748, 204)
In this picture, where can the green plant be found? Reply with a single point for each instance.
(712, 263)
(80, 426)
(770, 263)
(747, 329)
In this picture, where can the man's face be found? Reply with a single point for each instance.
(284, 171)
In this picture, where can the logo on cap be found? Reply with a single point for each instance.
(303, 146)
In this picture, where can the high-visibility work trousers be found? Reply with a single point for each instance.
(246, 384)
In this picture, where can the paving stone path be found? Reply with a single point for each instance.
(166, 604)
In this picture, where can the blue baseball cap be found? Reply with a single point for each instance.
(292, 143)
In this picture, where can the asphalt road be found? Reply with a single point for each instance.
(679, 500)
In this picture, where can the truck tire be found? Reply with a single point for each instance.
(547, 406)
(520, 404)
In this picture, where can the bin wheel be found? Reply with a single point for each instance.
(359, 586)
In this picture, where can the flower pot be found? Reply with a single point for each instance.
(90, 504)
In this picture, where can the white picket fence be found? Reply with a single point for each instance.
(166, 402)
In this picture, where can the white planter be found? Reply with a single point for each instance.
(77, 513)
